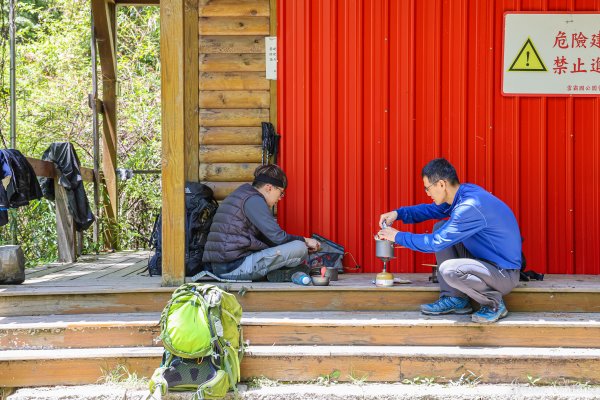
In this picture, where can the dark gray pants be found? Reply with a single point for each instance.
(461, 275)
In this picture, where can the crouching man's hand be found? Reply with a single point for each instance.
(312, 244)
(387, 234)
(388, 218)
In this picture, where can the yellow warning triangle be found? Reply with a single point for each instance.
(528, 59)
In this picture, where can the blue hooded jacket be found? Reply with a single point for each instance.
(483, 223)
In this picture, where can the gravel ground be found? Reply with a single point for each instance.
(331, 392)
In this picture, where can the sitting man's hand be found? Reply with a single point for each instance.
(312, 244)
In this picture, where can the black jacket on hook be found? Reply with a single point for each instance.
(66, 161)
(22, 185)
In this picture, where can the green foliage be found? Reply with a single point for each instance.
(328, 379)
(531, 381)
(54, 78)
(471, 379)
(418, 380)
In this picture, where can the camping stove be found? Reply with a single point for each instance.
(384, 250)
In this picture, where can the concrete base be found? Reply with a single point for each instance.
(462, 391)
(12, 265)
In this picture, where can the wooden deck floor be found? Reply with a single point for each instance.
(126, 270)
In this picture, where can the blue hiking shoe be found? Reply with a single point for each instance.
(487, 315)
(447, 305)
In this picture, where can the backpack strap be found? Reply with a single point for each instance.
(221, 347)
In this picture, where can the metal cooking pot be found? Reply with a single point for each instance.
(384, 249)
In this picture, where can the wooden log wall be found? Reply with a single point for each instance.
(234, 95)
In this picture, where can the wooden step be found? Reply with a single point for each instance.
(26, 368)
(353, 292)
(313, 328)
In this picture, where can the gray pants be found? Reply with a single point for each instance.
(461, 275)
(256, 266)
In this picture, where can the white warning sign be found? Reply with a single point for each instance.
(551, 54)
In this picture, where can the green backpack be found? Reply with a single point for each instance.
(202, 335)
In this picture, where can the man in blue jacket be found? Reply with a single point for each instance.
(478, 248)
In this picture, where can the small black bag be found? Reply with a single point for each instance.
(526, 276)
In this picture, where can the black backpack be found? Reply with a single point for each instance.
(200, 209)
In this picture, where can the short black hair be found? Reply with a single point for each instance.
(440, 169)
(271, 170)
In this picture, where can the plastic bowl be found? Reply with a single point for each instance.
(320, 280)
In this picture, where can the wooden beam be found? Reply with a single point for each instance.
(172, 55)
(104, 13)
(47, 169)
(137, 3)
(190, 81)
(104, 22)
(65, 226)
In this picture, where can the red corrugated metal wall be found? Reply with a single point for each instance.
(369, 91)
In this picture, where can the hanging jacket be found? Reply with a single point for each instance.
(21, 187)
(66, 161)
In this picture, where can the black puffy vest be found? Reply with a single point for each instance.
(232, 236)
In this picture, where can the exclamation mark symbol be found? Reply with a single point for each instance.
(527, 58)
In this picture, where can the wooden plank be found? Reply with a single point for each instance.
(98, 271)
(230, 135)
(85, 331)
(31, 273)
(173, 140)
(223, 189)
(93, 303)
(134, 269)
(233, 117)
(118, 295)
(391, 364)
(190, 77)
(234, 172)
(102, 259)
(231, 26)
(232, 44)
(232, 63)
(306, 363)
(47, 169)
(233, 81)
(464, 334)
(108, 211)
(350, 328)
(230, 154)
(234, 99)
(65, 226)
(81, 369)
(234, 8)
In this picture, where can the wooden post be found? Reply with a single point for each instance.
(65, 227)
(105, 22)
(179, 100)
(191, 100)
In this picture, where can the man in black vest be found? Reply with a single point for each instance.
(245, 241)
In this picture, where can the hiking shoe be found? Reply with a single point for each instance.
(285, 274)
(487, 315)
(447, 305)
